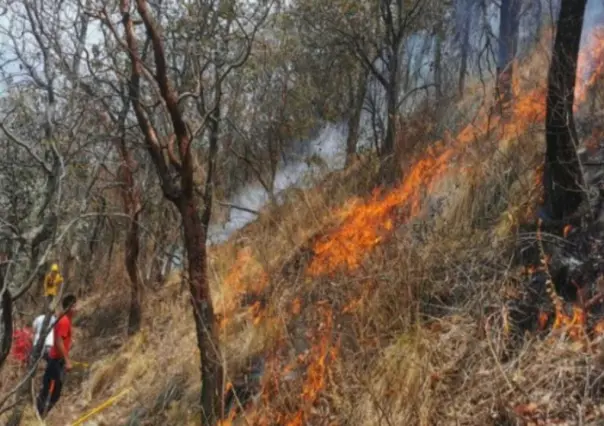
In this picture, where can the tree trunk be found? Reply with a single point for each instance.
(438, 80)
(465, 48)
(508, 46)
(388, 146)
(203, 311)
(562, 178)
(183, 193)
(7, 321)
(132, 251)
(388, 172)
(131, 199)
(354, 120)
(91, 252)
(156, 271)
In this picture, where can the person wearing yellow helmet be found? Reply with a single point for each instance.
(52, 281)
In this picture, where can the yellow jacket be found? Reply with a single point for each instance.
(51, 286)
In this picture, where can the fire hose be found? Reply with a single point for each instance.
(109, 402)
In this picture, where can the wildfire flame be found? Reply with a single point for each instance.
(247, 276)
(367, 223)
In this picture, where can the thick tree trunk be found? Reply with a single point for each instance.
(354, 120)
(203, 311)
(562, 178)
(7, 322)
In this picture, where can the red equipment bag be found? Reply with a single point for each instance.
(22, 344)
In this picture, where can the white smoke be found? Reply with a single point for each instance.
(328, 146)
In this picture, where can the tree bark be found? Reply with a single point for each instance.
(203, 311)
(178, 185)
(91, 253)
(132, 251)
(508, 46)
(388, 172)
(562, 178)
(131, 199)
(7, 322)
(438, 80)
(465, 45)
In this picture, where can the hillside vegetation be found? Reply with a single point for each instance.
(421, 284)
(363, 306)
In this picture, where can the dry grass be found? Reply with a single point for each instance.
(414, 336)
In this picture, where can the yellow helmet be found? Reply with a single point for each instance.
(54, 268)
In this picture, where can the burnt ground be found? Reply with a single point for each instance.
(574, 250)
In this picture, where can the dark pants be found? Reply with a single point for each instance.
(53, 378)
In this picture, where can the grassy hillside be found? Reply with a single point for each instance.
(368, 307)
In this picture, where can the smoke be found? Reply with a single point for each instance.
(330, 143)
(328, 147)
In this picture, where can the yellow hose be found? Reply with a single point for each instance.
(101, 407)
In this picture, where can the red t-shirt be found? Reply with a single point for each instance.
(62, 330)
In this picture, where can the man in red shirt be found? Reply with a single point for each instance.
(58, 359)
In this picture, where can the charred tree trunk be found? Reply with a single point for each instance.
(7, 323)
(562, 178)
(509, 22)
(354, 120)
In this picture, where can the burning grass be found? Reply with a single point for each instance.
(399, 315)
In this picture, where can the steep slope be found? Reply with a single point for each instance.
(346, 308)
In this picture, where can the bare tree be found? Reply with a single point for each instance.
(218, 25)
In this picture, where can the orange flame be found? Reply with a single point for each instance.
(367, 223)
(590, 64)
(574, 325)
(246, 276)
(317, 369)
